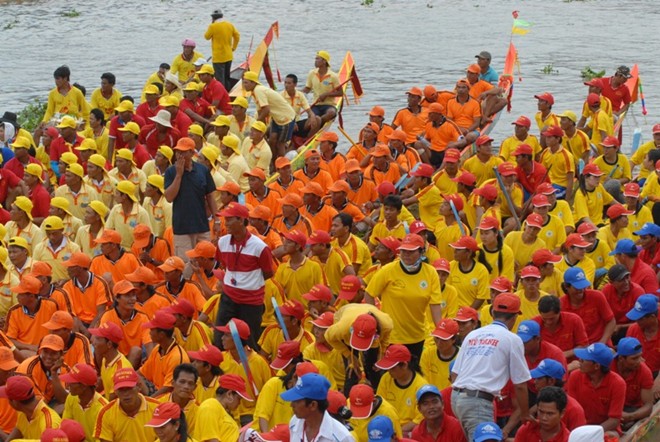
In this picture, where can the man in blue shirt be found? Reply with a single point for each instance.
(487, 73)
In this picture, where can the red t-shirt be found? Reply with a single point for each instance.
(144, 111)
(619, 96)
(215, 91)
(569, 334)
(650, 347)
(573, 414)
(151, 140)
(451, 431)
(651, 257)
(531, 432)
(599, 403)
(181, 122)
(59, 145)
(446, 398)
(8, 179)
(530, 182)
(40, 200)
(594, 311)
(638, 380)
(19, 169)
(4, 216)
(200, 107)
(115, 124)
(546, 351)
(621, 306)
(140, 155)
(642, 274)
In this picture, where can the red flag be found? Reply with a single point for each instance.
(357, 86)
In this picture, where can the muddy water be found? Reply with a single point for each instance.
(396, 44)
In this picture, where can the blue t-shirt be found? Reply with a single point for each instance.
(490, 76)
(189, 206)
(7, 154)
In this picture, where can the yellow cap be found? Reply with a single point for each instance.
(167, 152)
(24, 203)
(68, 158)
(196, 129)
(192, 86)
(158, 181)
(206, 69)
(131, 127)
(125, 106)
(251, 76)
(260, 126)
(60, 203)
(21, 143)
(100, 208)
(324, 55)
(125, 154)
(98, 160)
(240, 101)
(210, 153)
(127, 188)
(88, 144)
(67, 122)
(76, 169)
(231, 141)
(53, 223)
(570, 115)
(221, 120)
(4, 255)
(151, 89)
(19, 241)
(35, 169)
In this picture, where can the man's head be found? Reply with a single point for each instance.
(429, 402)
(548, 373)
(597, 357)
(551, 403)
(309, 396)
(184, 381)
(19, 390)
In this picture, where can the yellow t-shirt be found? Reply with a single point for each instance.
(404, 400)
(622, 166)
(471, 285)
(406, 298)
(385, 409)
(587, 266)
(528, 308)
(7, 297)
(641, 217)
(190, 411)
(600, 255)
(125, 223)
(552, 284)
(358, 252)
(445, 235)
(185, 69)
(280, 111)
(333, 268)
(79, 202)
(272, 337)
(107, 105)
(563, 211)
(524, 251)
(87, 416)
(199, 335)
(591, 205)
(257, 155)
(578, 144)
(559, 164)
(493, 259)
(550, 120)
(322, 84)
(600, 121)
(160, 215)
(214, 422)
(638, 157)
(430, 200)
(511, 144)
(114, 424)
(332, 358)
(606, 235)
(203, 393)
(299, 281)
(73, 103)
(380, 230)
(108, 370)
(43, 252)
(553, 233)
(651, 187)
(435, 369)
(31, 233)
(270, 406)
(444, 182)
(298, 102)
(242, 131)
(43, 418)
(261, 373)
(224, 40)
(483, 171)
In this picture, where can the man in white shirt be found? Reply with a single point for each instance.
(489, 357)
(311, 420)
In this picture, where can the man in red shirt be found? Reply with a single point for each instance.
(214, 92)
(36, 192)
(67, 142)
(615, 89)
(11, 186)
(565, 330)
(159, 133)
(22, 157)
(626, 252)
(621, 294)
(629, 364)
(436, 426)
(129, 135)
(530, 173)
(648, 239)
(150, 107)
(600, 391)
(179, 120)
(549, 426)
(194, 106)
(589, 304)
(645, 329)
(125, 114)
(536, 349)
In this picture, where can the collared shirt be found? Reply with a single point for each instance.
(114, 424)
(189, 206)
(330, 430)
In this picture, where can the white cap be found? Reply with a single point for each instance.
(587, 433)
(200, 61)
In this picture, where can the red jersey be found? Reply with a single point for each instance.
(113, 131)
(19, 169)
(531, 432)
(152, 140)
(642, 274)
(146, 112)
(446, 399)
(599, 403)
(201, 107)
(140, 155)
(594, 311)
(8, 180)
(181, 122)
(573, 414)
(59, 145)
(451, 431)
(621, 306)
(546, 351)
(215, 91)
(650, 256)
(530, 182)
(650, 346)
(40, 200)
(638, 380)
(568, 334)
(619, 96)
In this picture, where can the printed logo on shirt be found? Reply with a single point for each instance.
(549, 233)
(423, 284)
(474, 282)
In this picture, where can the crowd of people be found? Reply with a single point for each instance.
(166, 274)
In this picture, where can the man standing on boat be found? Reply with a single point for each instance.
(487, 72)
(615, 89)
(224, 41)
(324, 83)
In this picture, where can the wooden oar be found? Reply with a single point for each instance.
(507, 197)
(353, 143)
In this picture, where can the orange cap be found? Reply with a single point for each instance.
(142, 274)
(312, 153)
(415, 91)
(141, 236)
(230, 187)
(40, 268)
(474, 69)
(339, 186)
(78, 259)
(291, 199)
(256, 172)
(7, 361)
(398, 134)
(203, 249)
(29, 284)
(377, 111)
(282, 162)
(352, 165)
(52, 342)
(122, 287)
(315, 188)
(109, 236)
(60, 319)
(328, 136)
(261, 212)
(172, 263)
(184, 144)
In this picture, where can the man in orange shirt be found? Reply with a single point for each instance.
(23, 323)
(259, 194)
(412, 118)
(148, 300)
(406, 157)
(331, 160)
(158, 369)
(8, 415)
(465, 111)
(88, 294)
(44, 369)
(438, 135)
(115, 261)
(339, 201)
(489, 96)
(261, 226)
(77, 348)
(285, 183)
(151, 250)
(203, 262)
(377, 115)
(319, 214)
(291, 219)
(36, 417)
(176, 286)
(313, 172)
(189, 333)
(361, 191)
(383, 167)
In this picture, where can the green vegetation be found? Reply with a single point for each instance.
(31, 115)
(367, 2)
(588, 74)
(10, 25)
(549, 69)
(70, 13)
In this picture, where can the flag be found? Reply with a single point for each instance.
(520, 27)
(357, 86)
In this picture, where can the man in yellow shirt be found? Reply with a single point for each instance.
(224, 40)
(65, 98)
(34, 416)
(105, 340)
(324, 83)
(600, 123)
(106, 97)
(56, 248)
(183, 65)
(481, 165)
(255, 149)
(215, 422)
(356, 249)
(83, 403)
(520, 136)
(559, 162)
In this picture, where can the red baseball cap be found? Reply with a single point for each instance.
(73, 429)
(617, 210)
(546, 96)
(303, 368)
(544, 256)
(241, 326)
(576, 240)
(325, 320)
(108, 330)
(540, 200)
(80, 374)
(534, 220)
(523, 121)
(523, 149)
(610, 141)
(417, 226)
(553, 131)
(412, 241)
(318, 292)
(446, 329)
(17, 388)
(530, 272)
(395, 354)
(391, 243)
(54, 435)
(656, 128)
(506, 303)
(441, 265)
(164, 413)
(349, 286)
(466, 178)
(489, 223)
(465, 314)
(488, 191)
(125, 378)
(162, 320)
(182, 307)
(483, 139)
(546, 189)
(631, 189)
(592, 169)
(423, 170)
(235, 383)
(456, 199)
(466, 242)
(336, 400)
(363, 332)
(501, 284)
(386, 188)
(296, 236)
(362, 400)
(294, 308)
(452, 156)
(281, 432)
(319, 237)
(593, 99)
(286, 352)
(506, 169)
(208, 353)
(235, 210)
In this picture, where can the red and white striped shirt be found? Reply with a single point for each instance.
(244, 266)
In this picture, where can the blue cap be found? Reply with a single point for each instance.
(309, 386)
(575, 276)
(645, 305)
(529, 329)
(628, 347)
(428, 388)
(625, 246)
(550, 368)
(487, 431)
(380, 429)
(648, 229)
(597, 352)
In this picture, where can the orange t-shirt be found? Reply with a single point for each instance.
(383, 136)
(27, 328)
(294, 186)
(210, 281)
(479, 88)
(348, 207)
(392, 174)
(62, 299)
(156, 302)
(321, 219)
(8, 416)
(323, 178)
(463, 114)
(335, 166)
(365, 193)
(270, 200)
(160, 252)
(85, 302)
(302, 224)
(408, 159)
(189, 291)
(441, 135)
(32, 368)
(159, 369)
(412, 124)
(80, 350)
(134, 334)
(127, 263)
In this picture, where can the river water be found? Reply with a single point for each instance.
(396, 44)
